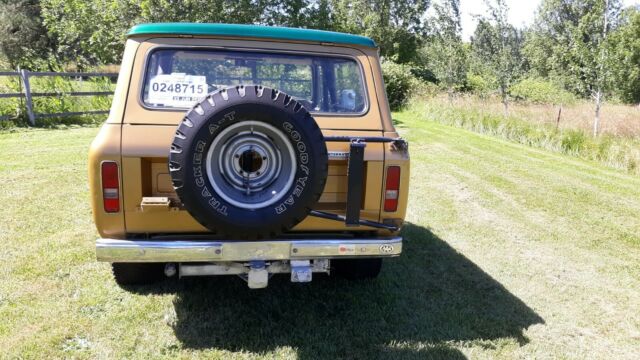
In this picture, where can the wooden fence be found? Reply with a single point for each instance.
(26, 95)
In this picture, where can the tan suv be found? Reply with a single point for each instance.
(247, 150)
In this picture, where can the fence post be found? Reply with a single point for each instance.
(21, 106)
(27, 95)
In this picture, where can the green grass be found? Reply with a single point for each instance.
(614, 150)
(510, 252)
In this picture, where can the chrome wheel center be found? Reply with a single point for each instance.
(251, 164)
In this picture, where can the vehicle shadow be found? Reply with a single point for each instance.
(429, 297)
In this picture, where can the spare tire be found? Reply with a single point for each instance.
(248, 162)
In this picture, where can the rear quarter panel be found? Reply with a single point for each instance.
(105, 147)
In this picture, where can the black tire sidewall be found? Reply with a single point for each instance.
(221, 110)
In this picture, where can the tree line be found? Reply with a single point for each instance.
(585, 48)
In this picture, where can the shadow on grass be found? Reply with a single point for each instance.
(398, 122)
(427, 298)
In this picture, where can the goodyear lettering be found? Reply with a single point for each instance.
(303, 157)
(295, 136)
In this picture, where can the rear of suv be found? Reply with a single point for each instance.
(247, 150)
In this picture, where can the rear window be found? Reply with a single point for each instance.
(177, 78)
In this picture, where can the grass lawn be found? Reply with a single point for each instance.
(510, 252)
(528, 124)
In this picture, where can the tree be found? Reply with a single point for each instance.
(321, 16)
(625, 60)
(397, 26)
(89, 32)
(496, 45)
(602, 72)
(213, 11)
(569, 42)
(445, 53)
(294, 13)
(93, 31)
(24, 42)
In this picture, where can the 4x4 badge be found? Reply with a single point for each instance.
(386, 248)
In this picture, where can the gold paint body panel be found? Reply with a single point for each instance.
(139, 139)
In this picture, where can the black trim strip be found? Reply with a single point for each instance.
(355, 177)
(336, 217)
(371, 139)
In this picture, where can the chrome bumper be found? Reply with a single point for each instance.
(113, 250)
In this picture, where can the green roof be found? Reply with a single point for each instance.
(255, 31)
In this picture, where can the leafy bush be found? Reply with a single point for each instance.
(61, 102)
(11, 107)
(425, 90)
(399, 81)
(65, 103)
(481, 85)
(423, 73)
(541, 91)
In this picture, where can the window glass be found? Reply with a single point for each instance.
(180, 78)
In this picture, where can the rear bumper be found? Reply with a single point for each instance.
(113, 250)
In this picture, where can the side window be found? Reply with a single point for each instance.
(348, 85)
(294, 80)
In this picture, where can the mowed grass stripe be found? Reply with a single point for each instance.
(553, 219)
(549, 160)
(532, 184)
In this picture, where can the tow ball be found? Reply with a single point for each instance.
(258, 276)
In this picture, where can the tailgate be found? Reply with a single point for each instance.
(145, 174)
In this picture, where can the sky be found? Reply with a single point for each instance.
(521, 12)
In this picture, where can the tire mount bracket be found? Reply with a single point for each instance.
(355, 176)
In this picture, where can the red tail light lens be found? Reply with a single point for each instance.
(110, 187)
(391, 189)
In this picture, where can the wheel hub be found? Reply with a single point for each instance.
(251, 161)
(251, 164)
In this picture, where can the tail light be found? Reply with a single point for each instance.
(110, 187)
(391, 189)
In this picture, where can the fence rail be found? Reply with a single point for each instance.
(26, 93)
(11, 95)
